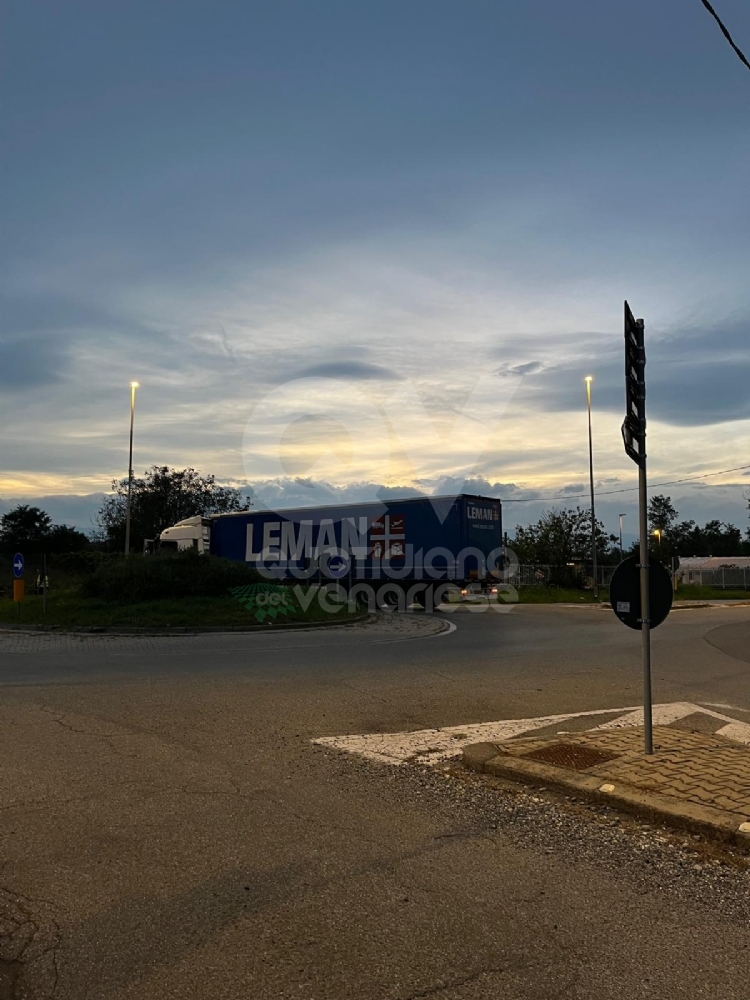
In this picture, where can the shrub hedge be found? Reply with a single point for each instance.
(165, 575)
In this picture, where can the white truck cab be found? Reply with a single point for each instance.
(192, 533)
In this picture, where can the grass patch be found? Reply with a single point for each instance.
(559, 595)
(69, 609)
(694, 592)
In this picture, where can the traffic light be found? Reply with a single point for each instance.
(634, 425)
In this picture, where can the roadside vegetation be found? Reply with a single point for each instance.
(694, 592)
(180, 589)
(554, 553)
(91, 583)
(567, 595)
(67, 609)
(559, 595)
(561, 540)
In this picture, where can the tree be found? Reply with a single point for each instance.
(24, 527)
(662, 515)
(686, 538)
(561, 536)
(30, 530)
(161, 498)
(721, 539)
(63, 538)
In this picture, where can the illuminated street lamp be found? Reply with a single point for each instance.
(588, 380)
(133, 387)
(657, 532)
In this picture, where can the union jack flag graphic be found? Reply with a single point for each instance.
(388, 537)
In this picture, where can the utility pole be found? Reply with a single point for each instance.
(133, 387)
(589, 379)
(622, 554)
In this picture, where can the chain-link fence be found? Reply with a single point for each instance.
(724, 577)
(572, 575)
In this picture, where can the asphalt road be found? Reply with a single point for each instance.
(167, 829)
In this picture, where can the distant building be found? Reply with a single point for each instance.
(715, 571)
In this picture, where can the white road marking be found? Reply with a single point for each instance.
(451, 628)
(662, 715)
(432, 746)
(737, 731)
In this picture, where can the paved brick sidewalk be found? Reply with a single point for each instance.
(697, 780)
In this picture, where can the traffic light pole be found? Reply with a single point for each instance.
(645, 606)
(634, 437)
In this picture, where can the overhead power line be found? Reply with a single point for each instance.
(627, 489)
(725, 32)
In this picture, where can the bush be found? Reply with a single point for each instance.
(64, 570)
(78, 564)
(567, 577)
(165, 575)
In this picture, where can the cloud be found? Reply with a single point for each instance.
(293, 492)
(528, 368)
(41, 311)
(77, 511)
(696, 376)
(698, 501)
(31, 361)
(358, 370)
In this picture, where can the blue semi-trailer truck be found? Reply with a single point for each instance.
(456, 539)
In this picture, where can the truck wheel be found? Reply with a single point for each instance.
(447, 593)
(391, 596)
(420, 597)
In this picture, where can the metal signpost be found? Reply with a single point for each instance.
(18, 586)
(634, 437)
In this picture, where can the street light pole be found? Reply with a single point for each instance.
(589, 379)
(622, 554)
(133, 387)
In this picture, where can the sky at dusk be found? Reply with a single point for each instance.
(345, 246)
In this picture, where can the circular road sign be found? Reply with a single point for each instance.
(18, 564)
(334, 564)
(625, 592)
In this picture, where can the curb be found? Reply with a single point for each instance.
(177, 629)
(717, 824)
(677, 606)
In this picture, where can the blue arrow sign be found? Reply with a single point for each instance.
(18, 565)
